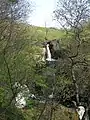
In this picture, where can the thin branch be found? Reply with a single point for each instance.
(42, 110)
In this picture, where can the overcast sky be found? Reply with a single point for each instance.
(43, 12)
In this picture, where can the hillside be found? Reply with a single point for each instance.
(42, 32)
(21, 62)
(44, 71)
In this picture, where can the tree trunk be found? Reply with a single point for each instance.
(76, 86)
(86, 117)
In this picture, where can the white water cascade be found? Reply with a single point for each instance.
(49, 57)
(48, 53)
(80, 111)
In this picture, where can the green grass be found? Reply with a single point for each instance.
(41, 32)
(51, 33)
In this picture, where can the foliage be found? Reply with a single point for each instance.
(21, 62)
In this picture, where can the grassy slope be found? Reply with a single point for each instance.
(40, 33)
(51, 32)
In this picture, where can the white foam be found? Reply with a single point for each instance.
(81, 111)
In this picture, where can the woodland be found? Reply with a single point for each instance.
(45, 71)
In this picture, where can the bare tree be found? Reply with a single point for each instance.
(14, 9)
(72, 15)
(11, 13)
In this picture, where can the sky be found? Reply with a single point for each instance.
(43, 13)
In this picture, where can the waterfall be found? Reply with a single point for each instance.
(48, 53)
(49, 56)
